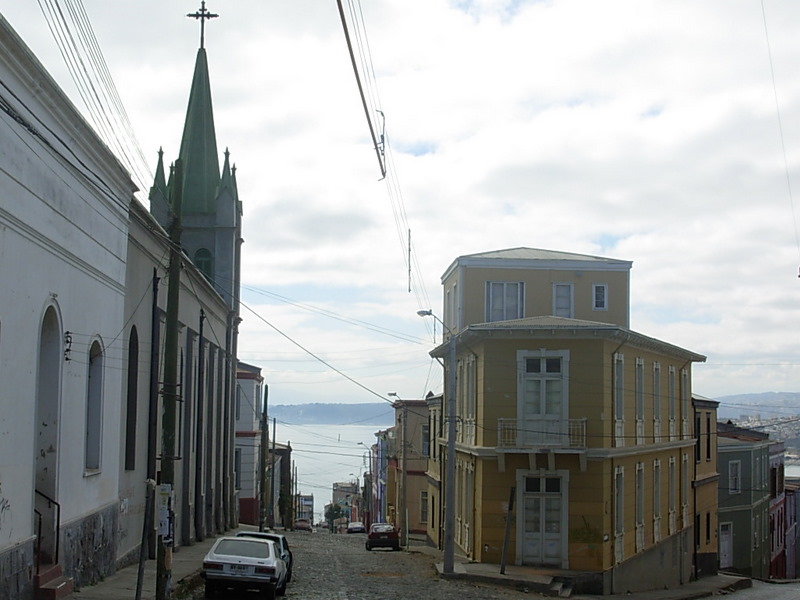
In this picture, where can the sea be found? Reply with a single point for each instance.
(327, 454)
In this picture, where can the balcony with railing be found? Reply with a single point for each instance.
(541, 433)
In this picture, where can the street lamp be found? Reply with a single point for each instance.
(450, 467)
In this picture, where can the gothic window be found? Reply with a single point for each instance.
(94, 408)
(131, 401)
(204, 261)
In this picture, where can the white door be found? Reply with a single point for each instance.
(542, 420)
(542, 521)
(725, 545)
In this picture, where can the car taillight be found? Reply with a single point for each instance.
(265, 570)
(212, 566)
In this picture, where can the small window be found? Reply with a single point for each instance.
(237, 467)
(562, 300)
(599, 296)
(735, 477)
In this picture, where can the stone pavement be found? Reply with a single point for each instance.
(188, 560)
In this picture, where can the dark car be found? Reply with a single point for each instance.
(383, 535)
(282, 543)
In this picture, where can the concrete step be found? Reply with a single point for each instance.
(50, 583)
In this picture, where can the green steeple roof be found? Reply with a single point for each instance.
(199, 145)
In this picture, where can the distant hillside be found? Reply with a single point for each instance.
(767, 404)
(374, 413)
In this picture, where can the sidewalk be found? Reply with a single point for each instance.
(537, 580)
(186, 564)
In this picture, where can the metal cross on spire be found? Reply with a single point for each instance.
(202, 15)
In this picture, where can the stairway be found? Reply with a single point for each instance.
(51, 584)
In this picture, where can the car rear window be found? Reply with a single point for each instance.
(244, 547)
(382, 528)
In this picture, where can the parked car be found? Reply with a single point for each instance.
(244, 564)
(356, 527)
(302, 525)
(282, 543)
(383, 535)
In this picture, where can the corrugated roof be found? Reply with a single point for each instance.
(537, 258)
(533, 326)
(523, 253)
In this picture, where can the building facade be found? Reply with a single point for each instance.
(744, 537)
(582, 428)
(411, 487)
(705, 486)
(247, 458)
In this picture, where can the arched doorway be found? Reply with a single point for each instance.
(48, 400)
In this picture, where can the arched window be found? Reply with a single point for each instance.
(131, 401)
(204, 260)
(94, 407)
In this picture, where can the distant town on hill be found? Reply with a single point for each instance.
(766, 404)
(373, 413)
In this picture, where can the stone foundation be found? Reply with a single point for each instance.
(17, 568)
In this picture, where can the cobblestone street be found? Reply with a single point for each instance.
(338, 567)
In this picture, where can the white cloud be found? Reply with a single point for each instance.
(641, 130)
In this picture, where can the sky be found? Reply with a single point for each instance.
(664, 133)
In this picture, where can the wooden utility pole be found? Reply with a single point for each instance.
(263, 498)
(170, 387)
(404, 510)
(271, 505)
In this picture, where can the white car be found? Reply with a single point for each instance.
(244, 563)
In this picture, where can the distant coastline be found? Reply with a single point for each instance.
(373, 413)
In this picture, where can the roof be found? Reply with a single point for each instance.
(561, 327)
(538, 258)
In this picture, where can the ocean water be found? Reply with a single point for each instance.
(326, 454)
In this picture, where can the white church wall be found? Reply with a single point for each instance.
(63, 218)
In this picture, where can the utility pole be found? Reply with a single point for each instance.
(404, 513)
(170, 388)
(271, 505)
(262, 517)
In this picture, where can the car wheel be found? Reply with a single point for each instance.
(211, 590)
(269, 592)
(395, 548)
(289, 576)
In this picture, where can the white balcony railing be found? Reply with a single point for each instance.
(541, 433)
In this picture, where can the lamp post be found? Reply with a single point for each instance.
(450, 467)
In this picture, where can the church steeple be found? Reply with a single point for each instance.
(210, 207)
(199, 144)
